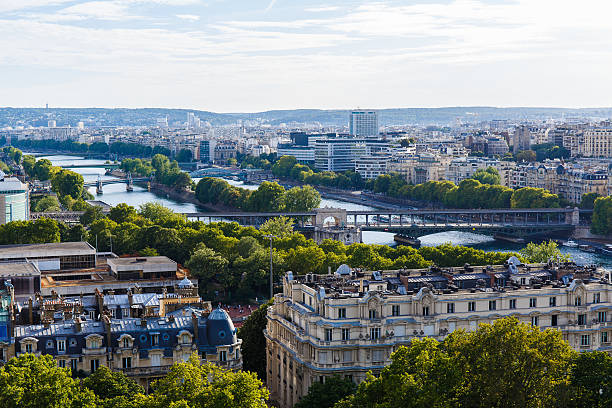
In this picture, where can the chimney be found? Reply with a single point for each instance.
(194, 323)
(30, 311)
(107, 329)
(130, 297)
(100, 301)
(143, 322)
(78, 325)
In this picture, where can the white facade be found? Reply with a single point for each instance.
(14, 200)
(363, 123)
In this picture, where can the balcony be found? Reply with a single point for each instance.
(145, 371)
(94, 351)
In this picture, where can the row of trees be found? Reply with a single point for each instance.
(602, 216)
(470, 193)
(269, 196)
(37, 382)
(120, 148)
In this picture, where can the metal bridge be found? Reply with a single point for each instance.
(108, 166)
(116, 181)
(218, 172)
(413, 223)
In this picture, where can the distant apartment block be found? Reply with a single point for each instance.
(598, 142)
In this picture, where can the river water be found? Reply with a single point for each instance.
(116, 193)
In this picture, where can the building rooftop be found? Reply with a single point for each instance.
(56, 249)
(12, 269)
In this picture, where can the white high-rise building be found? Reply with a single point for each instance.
(363, 123)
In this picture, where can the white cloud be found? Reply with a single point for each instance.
(270, 5)
(14, 5)
(188, 17)
(322, 9)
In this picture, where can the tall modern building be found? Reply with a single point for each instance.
(363, 123)
(14, 200)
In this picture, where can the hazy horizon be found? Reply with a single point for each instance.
(239, 56)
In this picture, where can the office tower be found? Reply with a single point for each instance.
(51, 124)
(363, 123)
(14, 200)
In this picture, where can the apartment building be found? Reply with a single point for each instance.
(370, 167)
(420, 168)
(464, 167)
(348, 323)
(597, 142)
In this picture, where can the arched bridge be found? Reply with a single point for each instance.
(116, 181)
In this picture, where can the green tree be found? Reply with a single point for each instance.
(588, 200)
(66, 182)
(283, 166)
(37, 382)
(47, 204)
(325, 395)
(543, 252)
(529, 197)
(196, 385)
(303, 260)
(279, 226)
(602, 215)
(488, 176)
(526, 156)
(268, 197)
(123, 213)
(114, 389)
(301, 199)
(184, 156)
(28, 163)
(147, 251)
(207, 264)
(254, 341)
(91, 214)
(43, 169)
(591, 379)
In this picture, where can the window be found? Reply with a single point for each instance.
(585, 340)
(154, 339)
(323, 357)
(554, 320)
(604, 337)
(378, 355)
(492, 304)
(28, 347)
(395, 310)
(342, 313)
(552, 301)
(61, 363)
(375, 333)
(533, 302)
(328, 334)
(596, 298)
(155, 360)
(347, 355)
(1, 354)
(578, 301)
(601, 317)
(581, 319)
(450, 308)
(126, 362)
(92, 314)
(185, 339)
(471, 306)
(223, 355)
(94, 343)
(74, 364)
(126, 343)
(346, 334)
(94, 364)
(61, 346)
(425, 310)
(372, 314)
(512, 304)
(535, 320)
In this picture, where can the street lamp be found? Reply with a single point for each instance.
(270, 236)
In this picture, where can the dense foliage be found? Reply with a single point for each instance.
(325, 395)
(269, 196)
(470, 193)
(37, 382)
(602, 216)
(504, 364)
(119, 148)
(254, 342)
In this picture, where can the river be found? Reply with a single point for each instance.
(116, 193)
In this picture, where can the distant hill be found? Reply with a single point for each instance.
(400, 116)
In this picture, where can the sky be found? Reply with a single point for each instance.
(256, 55)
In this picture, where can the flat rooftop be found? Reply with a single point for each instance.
(146, 264)
(14, 269)
(56, 249)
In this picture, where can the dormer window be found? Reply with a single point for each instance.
(28, 347)
(185, 339)
(126, 343)
(61, 346)
(578, 301)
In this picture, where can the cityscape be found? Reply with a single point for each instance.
(265, 245)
